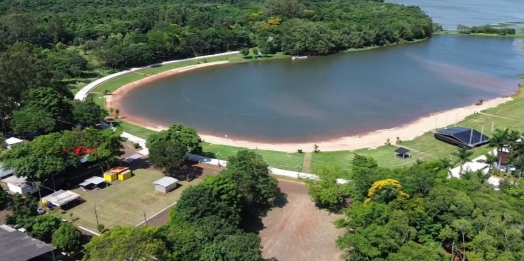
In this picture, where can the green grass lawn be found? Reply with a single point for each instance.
(124, 202)
(276, 159)
(116, 83)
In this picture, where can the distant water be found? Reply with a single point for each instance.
(450, 13)
(320, 98)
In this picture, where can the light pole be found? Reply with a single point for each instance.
(218, 155)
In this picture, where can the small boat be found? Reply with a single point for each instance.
(298, 57)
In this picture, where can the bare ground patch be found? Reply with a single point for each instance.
(299, 231)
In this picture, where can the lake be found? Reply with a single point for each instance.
(450, 13)
(346, 94)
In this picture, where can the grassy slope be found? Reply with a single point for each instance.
(426, 146)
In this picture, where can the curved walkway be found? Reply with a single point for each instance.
(82, 94)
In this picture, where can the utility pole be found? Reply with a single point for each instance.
(145, 219)
(96, 215)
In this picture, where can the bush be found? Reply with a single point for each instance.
(136, 145)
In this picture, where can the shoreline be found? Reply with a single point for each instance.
(369, 140)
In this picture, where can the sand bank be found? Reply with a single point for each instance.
(369, 140)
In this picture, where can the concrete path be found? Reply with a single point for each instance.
(82, 94)
(307, 162)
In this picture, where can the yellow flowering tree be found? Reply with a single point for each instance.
(385, 191)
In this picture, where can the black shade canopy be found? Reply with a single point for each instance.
(402, 151)
(463, 137)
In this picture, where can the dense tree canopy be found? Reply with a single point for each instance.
(67, 238)
(53, 153)
(178, 134)
(416, 212)
(169, 156)
(126, 243)
(123, 34)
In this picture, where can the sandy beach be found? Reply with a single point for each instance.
(374, 139)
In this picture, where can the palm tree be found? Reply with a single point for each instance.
(463, 156)
(499, 140)
(518, 163)
(490, 159)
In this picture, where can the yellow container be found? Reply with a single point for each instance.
(124, 175)
(110, 177)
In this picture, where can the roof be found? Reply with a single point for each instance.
(12, 141)
(5, 172)
(166, 181)
(117, 170)
(95, 180)
(14, 180)
(465, 135)
(61, 197)
(18, 246)
(401, 150)
(132, 158)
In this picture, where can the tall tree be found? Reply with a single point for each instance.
(21, 68)
(326, 192)
(67, 238)
(24, 210)
(178, 133)
(88, 113)
(168, 156)
(250, 174)
(499, 140)
(44, 226)
(462, 156)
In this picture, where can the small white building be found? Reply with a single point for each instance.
(12, 141)
(20, 185)
(165, 184)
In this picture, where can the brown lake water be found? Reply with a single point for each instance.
(321, 98)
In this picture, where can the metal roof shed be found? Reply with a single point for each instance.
(18, 246)
(61, 197)
(165, 184)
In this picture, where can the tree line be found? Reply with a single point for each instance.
(484, 29)
(420, 213)
(123, 34)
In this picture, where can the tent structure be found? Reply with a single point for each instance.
(60, 198)
(463, 137)
(12, 141)
(165, 184)
(93, 182)
(402, 153)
